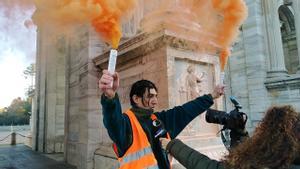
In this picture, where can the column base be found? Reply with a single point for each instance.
(298, 70)
(277, 74)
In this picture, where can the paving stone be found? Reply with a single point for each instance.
(22, 157)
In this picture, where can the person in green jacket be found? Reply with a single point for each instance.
(275, 144)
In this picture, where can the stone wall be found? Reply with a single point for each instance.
(246, 70)
(84, 128)
(48, 132)
(250, 69)
(283, 91)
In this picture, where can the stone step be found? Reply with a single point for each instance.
(210, 145)
(214, 152)
(202, 141)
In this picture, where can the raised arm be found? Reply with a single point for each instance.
(116, 123)
(189, 157)
(176, 119)
(109, 83)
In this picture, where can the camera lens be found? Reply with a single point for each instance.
(217, 117)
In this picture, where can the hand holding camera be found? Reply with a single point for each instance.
(235, 121)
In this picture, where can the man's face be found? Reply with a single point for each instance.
(149, 100)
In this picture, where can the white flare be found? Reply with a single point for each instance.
(112, 62)
(222, 77)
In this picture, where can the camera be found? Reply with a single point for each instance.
(232, 120)
(235, 121)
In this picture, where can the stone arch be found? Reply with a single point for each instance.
(287, 19)
(288, 34)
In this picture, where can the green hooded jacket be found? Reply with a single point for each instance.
(190, 158)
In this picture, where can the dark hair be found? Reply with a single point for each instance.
(139, 88)
(274, 143)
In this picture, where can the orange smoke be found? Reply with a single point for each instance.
(104, 15)
(224, 57)
(234, 12)
(219, 22)
(108, 22)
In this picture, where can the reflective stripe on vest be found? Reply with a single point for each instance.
(136, 155)
(153, 167)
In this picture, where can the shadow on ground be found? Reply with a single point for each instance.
(22, 157)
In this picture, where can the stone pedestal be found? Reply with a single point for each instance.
(169, 61)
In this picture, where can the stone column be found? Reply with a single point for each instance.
(296, 7)
(277, 65)
(49, 109)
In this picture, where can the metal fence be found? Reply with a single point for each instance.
(15, 134)
(15, 138)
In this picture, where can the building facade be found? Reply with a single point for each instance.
(264, 67)
(262, 71)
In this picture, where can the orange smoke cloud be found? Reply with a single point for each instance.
(224, 57)
(104, 15)
(11, 4)
(108, 22)
(219, 19)
(234, 12)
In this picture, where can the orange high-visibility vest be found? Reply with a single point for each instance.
(139, 155)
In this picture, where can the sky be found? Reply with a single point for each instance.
(18, 33)
(17, 49)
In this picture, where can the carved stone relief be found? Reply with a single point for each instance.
(193, 79)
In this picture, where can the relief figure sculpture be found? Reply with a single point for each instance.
(189, 88)
(193, 81)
